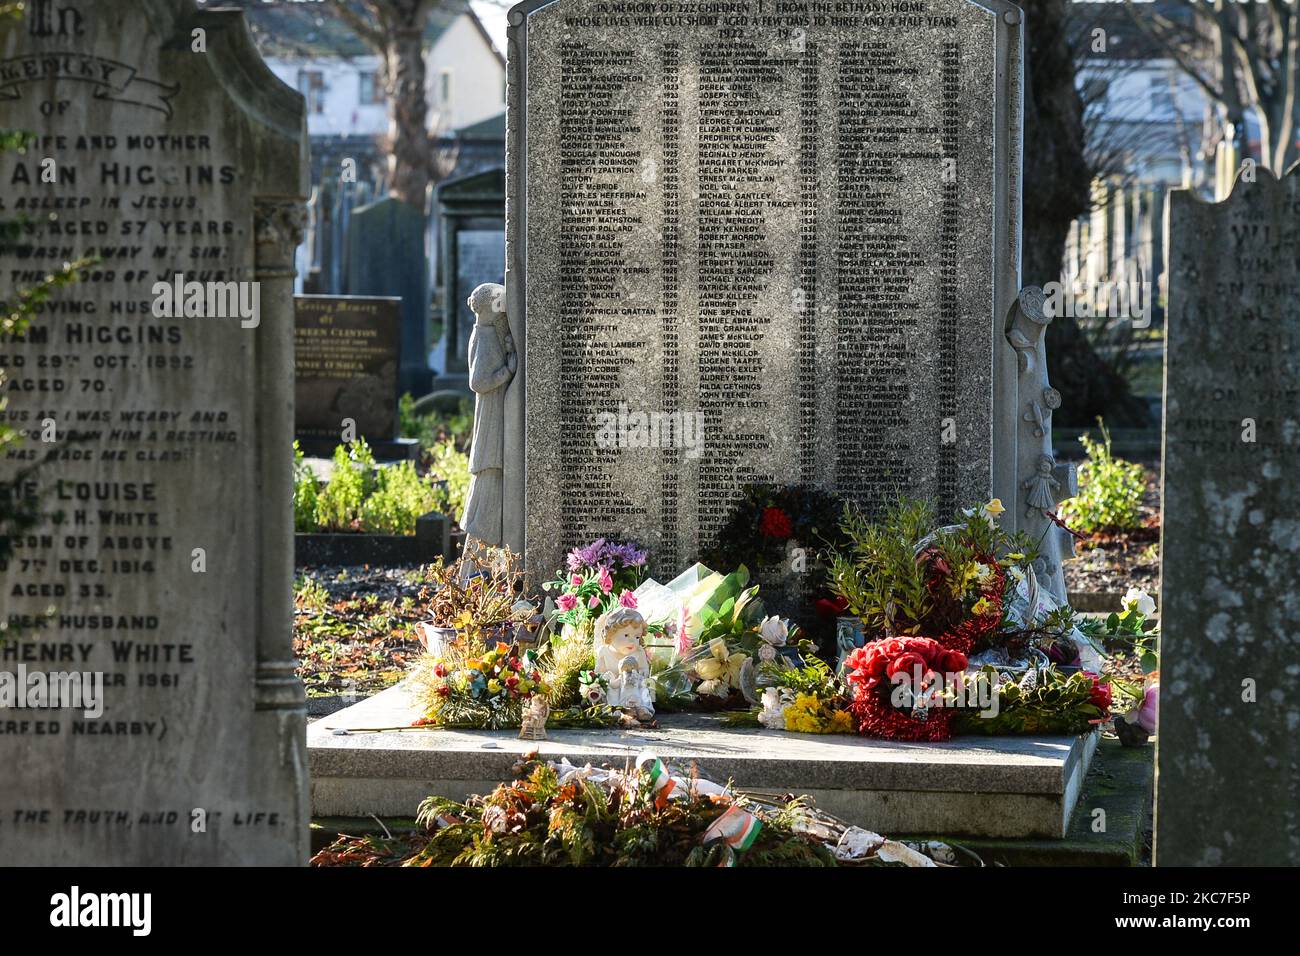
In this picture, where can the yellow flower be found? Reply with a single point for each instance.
(841, 722)
(808, 714)
(494, 686)
(721, 665)
(981, 607)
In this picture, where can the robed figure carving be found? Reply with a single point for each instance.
(492, 365)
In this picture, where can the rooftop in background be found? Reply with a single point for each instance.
(303, 30)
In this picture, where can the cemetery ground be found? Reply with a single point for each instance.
(355, 635)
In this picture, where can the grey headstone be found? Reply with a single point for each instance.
(802, 224)
(386, 257)
(199, 756)
(1228, 761)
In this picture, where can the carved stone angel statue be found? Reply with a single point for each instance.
(1045, 482)
(492, 364)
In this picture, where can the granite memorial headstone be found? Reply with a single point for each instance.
(386, 257)
(756, 241)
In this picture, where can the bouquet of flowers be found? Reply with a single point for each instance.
(902, 576)
(471, 685)
(597, 577)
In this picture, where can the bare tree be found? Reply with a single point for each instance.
(1058, 180)
(394, 31)
(1246, 57)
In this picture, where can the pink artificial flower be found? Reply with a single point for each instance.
(576, 580)
(594, 601)
(567, 602)
(604, 580)
(1146, 715)
(683, 630)
(627, 599)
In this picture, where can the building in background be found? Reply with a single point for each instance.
(321, 57)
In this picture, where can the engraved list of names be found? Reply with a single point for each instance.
(760, 247)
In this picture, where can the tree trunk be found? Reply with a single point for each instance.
(1057, 184)
(410, 167)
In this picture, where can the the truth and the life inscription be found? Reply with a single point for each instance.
(756, 241)
(164, 148)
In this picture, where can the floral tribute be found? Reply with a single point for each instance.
(769, 520)
(922, 666)
(557, 814)
(486, 688)
(600, 576)
(959, 638)
(902, 577)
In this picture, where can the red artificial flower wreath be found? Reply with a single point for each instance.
(869, 671)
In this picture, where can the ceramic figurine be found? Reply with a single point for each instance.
(622, 660)
(772, 716)
(535, 714)
(632, 690)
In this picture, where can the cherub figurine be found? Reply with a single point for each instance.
(633, 691)
(622, 660)
(535, 714)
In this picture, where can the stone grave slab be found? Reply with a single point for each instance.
(992, 787)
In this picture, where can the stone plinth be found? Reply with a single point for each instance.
(993, 787)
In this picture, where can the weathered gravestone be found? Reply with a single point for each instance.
(386, 257)
(345, 358)
(168, 561)
(1228, 757)
(752, 242)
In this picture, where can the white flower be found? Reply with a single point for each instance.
(713, 688)
(766, 653)
(982, 572)
(1137, 599)
(774, 631)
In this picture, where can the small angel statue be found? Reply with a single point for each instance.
(535, 714)
(632, 692)
(622, 660)
(1042, 487)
